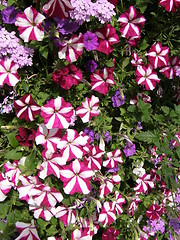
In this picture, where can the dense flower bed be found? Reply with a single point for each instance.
(90, 119)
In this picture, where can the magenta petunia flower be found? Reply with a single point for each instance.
(144, 183)
(145, 98)
(154, 212)
(101, 80)
(107, 37)
(107, 215)
(110, 233)
(76, 178)
(5, 187)
(29, 25)
(90, 41)
(71, 49)
(57, 113)
(134, 204)
(131, 23)
(145, 75)
(136, 60)
(8, 72)
(27, 231)
(57, 8)
(66, 215)
(170, 5)
(113, 158)
(26, 108)
(88, 109)
(170, 70)
(158, 55)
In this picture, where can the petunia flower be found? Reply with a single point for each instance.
(134, 204)
(8, 72)
(71, 49)
(90, 41)
(131, 23)
(110, 233)
(66, 215)
(145, 75)
(136, 60)
(88, 109)
(144, 183)
(154, 212)
(57, 113)
(119, 202)
(26, 136)
(57, 8)
(26, 108)
(170, 70)
(145, 98)
(5, 187)
(113, 158)
(158, 55)
(107, 37)
(9, 15)
(170, 5)
(29, 25)
(107, 215)
(27, 231)
(76, 178)
(101, 80)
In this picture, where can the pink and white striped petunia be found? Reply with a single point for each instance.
(27, 231)
(88, 109)
(27, 184)
(43, 195)
(107, 37)
(131, 23)
(76, 178)
(107, 185)
(66, 215)
(8, 72)
(119, 202)
(170, 70)
(134, 204)
(144, 183)
(101, 80)
(94, 158)
(26, 108)
(136, 60)
(57, 113)
(107, 215)
(5, 187)
(144, 97)
(71, 49)
(113, 158)
(158, 56)
(48, 138)
(170, 5)
(57, 8)
(42, 211)
(51, 164)
(146, 76)
(29, 25)
(71, 145)
(154, 212)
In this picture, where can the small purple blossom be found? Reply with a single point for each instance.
(113, 170)
(107, 136)
(90, 66)
(9, 15)
(118, 99)
(90, 133)
(178, 72)
(154, 226)
(66, 26)
(174, 223)
(139, 126)
(129, 149)
(90, 41)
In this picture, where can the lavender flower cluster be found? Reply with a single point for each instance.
(6, 106)
(84, 9)
(9, 45)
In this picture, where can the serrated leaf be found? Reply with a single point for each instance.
(148, 137)
(165, 110)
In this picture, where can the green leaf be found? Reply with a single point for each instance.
(10, 2)
(165, 110)
(52, 230)
(109, 63)
(13, 155)
(144, 45)
(131, 108)
(148, 137)
(25, 86)
(125, 62)
(12, 139)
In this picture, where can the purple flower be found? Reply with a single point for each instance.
(90, 133)
(107, 136)
(129, 149)
(113, 170)
(66, 26)
(174, 223)
(9, 15)
(90, 41)
(90, 66)
(139, 126)
(118, 99)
